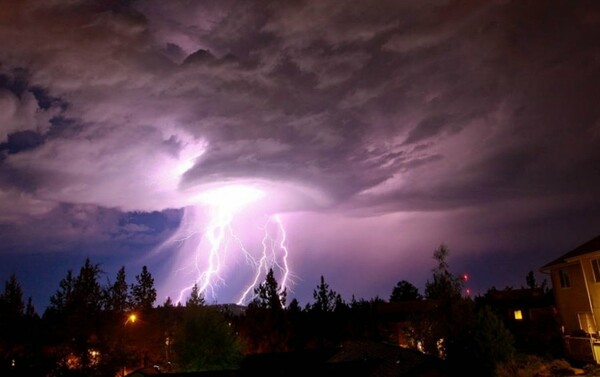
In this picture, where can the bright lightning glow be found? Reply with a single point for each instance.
(231, 232)
(274, 255)
(214, 249)
(282, 245)
(229, 198)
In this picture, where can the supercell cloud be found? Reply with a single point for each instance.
(378, 130)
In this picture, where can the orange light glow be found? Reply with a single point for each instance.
(132, 318)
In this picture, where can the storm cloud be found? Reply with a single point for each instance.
(448, 111)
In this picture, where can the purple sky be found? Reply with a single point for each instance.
(375, 130)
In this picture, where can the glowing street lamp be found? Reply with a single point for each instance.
(131, 318)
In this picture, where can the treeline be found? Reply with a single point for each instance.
(79, 325)
(94, 330)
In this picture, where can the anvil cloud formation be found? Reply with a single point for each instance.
(382, 129)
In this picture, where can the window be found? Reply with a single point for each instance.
(518, 315)
(564, 279)
(596, 269)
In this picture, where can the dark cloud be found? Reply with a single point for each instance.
(426, 128)
(89, 228)
(385, 109)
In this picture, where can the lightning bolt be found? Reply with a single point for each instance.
(274, 254)
(223, 244)
(283, 247)
(216, 237)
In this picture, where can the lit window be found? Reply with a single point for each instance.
(518, 315)
(564, 279)
(596, 269)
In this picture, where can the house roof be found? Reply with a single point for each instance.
(523, 294)
(586, 248)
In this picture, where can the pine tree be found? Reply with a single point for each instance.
(30, 309)
(269, 294)
(143, 293)
(266, 318)
(11, 301)
(294, 307)
(326, 299)
(530, 279)
(75, 312)
(196, 298)
(87, 292)
(12, 325)
(118, 293)
(63, 296)
(327, 315)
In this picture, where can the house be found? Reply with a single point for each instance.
(575, 280)
(531, 316)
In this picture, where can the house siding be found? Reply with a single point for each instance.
(583, 296)
(593, 287)
(573, 300)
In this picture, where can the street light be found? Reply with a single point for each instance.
(131, 318)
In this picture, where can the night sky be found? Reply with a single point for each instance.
(133, 132)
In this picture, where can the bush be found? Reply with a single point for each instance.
(205, 341)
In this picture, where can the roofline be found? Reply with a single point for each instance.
(590, 247)
(557, 264)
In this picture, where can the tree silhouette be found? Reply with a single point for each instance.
(326, 299)
(294, 306)
(143, 293)
(60, 299)
(118, 294)
(530, 279)
(269, 295)
(75, 314)
(405, 291)
(87, 292)
(30, 309)
(265, 319)
(168, 302)
(327, 315)
(492, 342)
(11, 301)
(19, 331)
(439, 327)
(196, 298)
(445, 285)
